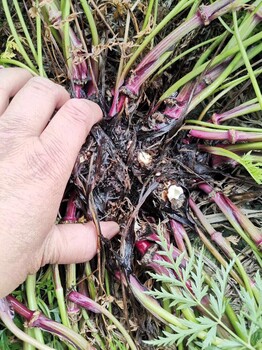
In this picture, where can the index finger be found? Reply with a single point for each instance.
(11, 81)
(67, 131)
(33, 106)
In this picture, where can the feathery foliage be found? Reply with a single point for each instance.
(207, 297)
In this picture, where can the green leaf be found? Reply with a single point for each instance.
(198, 278)
(211, 335)
(232, 345)
(166, 279)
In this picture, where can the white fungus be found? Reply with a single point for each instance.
(174, 192)
(144, 158)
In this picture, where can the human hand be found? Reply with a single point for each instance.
(36, 161)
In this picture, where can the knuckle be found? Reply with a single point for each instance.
(51, 252)
(15, 125)
(45, 161)
(10, 135)
(44, 86)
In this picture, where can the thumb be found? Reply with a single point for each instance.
(75, 243)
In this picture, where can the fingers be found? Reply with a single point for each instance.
(75, 243)
(68, 130)
(11, 81)
(34, 104)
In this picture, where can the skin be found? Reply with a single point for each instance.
(36, 159)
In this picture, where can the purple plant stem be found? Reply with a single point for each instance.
(150, 63)
(69, 218)
(150, 303)
(117, 104)
(231, 136)
(219, 160)
(79, 70)
(70, 215)
(89, 304)
(243, 220)
(37, 319)
(204, 16)
(143, 247)
(92, 88)
(235, 112)
(215, 235)
(179, 235)
(234, 215)
(179, 106)
(20, 308)
(141, 74)
(120, 276)
(6, 316)
(84, 301)
(175, 252)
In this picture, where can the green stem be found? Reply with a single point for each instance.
(91, 22)
(180, 346)
(207, 125)
(10, 61)
(234, 321)
(148, 13)
(26, 345)
(70, 284)
(121, 62)
(252, 146)
(177, 9)
(25, 30)
(244, 276)
(209, 64)
(184, 53)
(214, 100)
(214, 129)
(209, 50)
(94, 332)
(166, 306)
(16, 36)
(107, 286)
(154, 22)
(217, 255)
(212, 87)
(248, 24)
(59, 291)
(39, 41)
(188, 245)
(66, 37)
(8, 322)
(228, 29)
(32, 303)
(246, 60)
(238, 80)
(193, 9)
(119, 327)
(90, 281)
